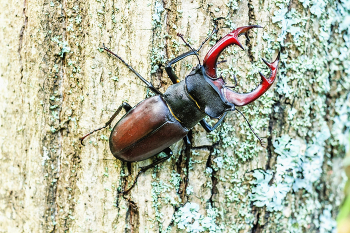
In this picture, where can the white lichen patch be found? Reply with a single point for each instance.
(296, 169)
(189, 219)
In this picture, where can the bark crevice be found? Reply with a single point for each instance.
(214, 180)
(132, 218)
(252, 20)
(21, 35)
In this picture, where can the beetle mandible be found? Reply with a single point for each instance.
(157, 122)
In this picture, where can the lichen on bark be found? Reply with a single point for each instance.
(56, 84)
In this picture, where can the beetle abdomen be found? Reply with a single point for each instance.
(145, 130)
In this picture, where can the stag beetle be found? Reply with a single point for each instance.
(157, 122)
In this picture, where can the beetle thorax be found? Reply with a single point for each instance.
(207, 95)
(194, 98)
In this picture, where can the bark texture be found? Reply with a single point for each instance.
(56, 85)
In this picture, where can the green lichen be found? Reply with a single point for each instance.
(188, 219)
(299, 169)
(63, 45)
(306, 76)
(295, 169)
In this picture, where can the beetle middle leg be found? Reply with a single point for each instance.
(167, 151)
(124, 105)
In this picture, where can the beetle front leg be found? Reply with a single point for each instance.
(170, 70)
(167, 151)
(209, 128)
(124, 105)
(168, 67)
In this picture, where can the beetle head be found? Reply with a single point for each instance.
(210, 62)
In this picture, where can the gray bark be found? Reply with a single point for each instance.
(56, 85)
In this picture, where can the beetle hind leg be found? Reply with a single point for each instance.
(124, 105)
(167, 151)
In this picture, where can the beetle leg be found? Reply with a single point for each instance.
(187, 140)
(209, 128)
(168, 67)
(149, 85)
(167, 151)
(170, 70)
(219, 62)
(124, 105)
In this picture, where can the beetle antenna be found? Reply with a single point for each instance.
(149, 85)
(195, 52)
(215, 30)
(261, 142)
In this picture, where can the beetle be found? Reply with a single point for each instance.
(157, 122)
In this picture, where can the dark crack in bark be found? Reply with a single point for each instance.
(21, 35)
(132, 218)
(214, 180)
(126, 180)
(256, 225)
(276, 121)
(252, 21)
(263, 215)
(171, 19)
(53, 67)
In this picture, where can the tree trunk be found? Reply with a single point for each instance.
(57, 85)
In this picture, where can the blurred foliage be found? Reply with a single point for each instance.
(343, 219)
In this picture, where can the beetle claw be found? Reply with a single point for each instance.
(240, 45)
(268, 64)
(81, 141)
(210, 63)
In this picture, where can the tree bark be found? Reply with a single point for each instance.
(56, 85)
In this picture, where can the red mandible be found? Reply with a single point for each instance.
(210, 62)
